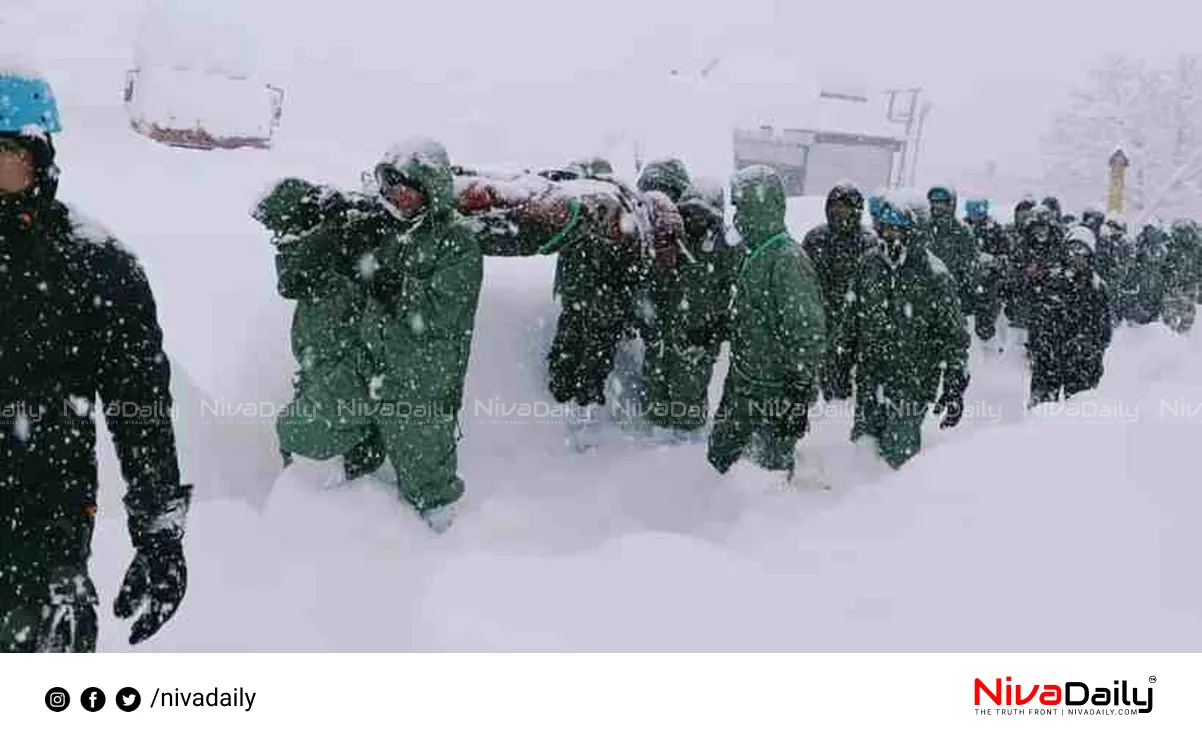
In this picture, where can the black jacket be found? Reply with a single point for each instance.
(77, 323)
(1070, 312)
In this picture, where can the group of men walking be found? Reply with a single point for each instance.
(387, 282)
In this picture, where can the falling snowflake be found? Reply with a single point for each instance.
(367, 266)
(81, 405)
(21, 427)
(374, 386)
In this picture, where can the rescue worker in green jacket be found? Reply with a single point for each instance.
(777, 334)
(1181, 273)
(598, 269)
(835, 249)
(1144, 286)
(904, 336)
(952, 242)
(993, 256)
(706, 271)
(662, 322)
(387, 286)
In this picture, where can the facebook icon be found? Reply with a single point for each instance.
(92, 699)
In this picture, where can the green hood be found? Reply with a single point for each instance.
(758, 195)
(666, 176)
(424, 164)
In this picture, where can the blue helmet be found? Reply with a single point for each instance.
(874, 206)
(27, 105)
(892, 216)
(976, 208)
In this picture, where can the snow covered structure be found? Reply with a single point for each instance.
(837, 140)
(193, 85)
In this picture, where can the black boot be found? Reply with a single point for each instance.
(365, 457)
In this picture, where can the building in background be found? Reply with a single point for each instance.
(811, 162)
(841, 137)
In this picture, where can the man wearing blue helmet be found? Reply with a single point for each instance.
(79, 323)
(993, 254)
(875, 202)
(903, 336)
(952, 242)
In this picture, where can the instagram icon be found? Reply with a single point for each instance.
(57, 699)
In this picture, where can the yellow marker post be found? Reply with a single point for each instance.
(1118, 181)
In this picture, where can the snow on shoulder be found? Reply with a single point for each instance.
(938, 267)
(89, 229)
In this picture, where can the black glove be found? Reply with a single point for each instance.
(68, 619)
(952, 399)
(157, 578)
(295, 206)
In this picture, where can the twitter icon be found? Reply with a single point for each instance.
(128, 699)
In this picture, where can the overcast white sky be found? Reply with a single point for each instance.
(994, 71)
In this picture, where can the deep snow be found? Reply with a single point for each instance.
(1011, 533)
(1068, 532)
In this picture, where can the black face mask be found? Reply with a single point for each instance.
(844, 217)
(696, 224)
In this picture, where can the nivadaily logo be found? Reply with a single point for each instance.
(1072, 694)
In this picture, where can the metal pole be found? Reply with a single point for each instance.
(908, 120)
(905, 158)
(922, 118)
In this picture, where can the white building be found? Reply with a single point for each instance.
(834, 139)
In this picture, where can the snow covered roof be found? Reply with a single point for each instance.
(776, 91)
(832, 117)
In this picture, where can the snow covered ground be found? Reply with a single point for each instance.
(1070, 530)
(1067, 530)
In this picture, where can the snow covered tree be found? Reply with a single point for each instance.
(1155, 115)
